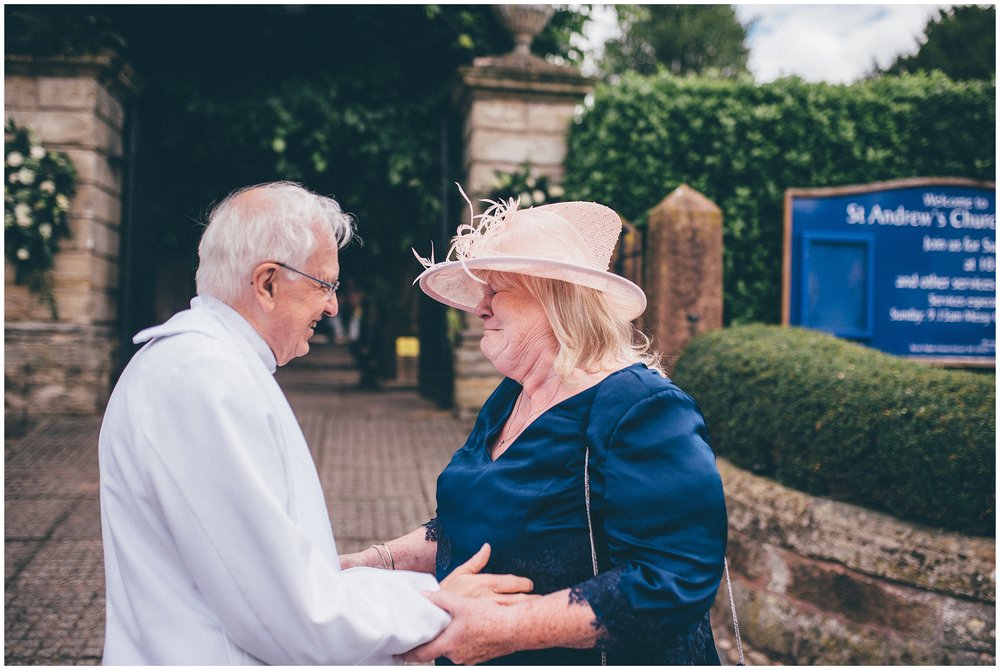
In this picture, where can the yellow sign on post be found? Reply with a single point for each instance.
(407, 352)
(407, 347)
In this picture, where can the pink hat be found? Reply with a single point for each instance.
(568, 241)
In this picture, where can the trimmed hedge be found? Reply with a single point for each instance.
(743, 144)
(835, 419)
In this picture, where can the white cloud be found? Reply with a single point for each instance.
(602, 27)
(833, 43)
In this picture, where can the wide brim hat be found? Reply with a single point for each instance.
(565, 241)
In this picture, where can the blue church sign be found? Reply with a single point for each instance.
(907, 267)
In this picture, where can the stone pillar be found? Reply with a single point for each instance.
(683, 270)
(518, 109)
(77, 106)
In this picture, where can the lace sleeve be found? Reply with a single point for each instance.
(614, 619)
(433, 530)
(625, 633)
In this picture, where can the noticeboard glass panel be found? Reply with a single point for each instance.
(837, 296)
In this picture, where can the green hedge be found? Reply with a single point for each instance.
(743, 145)
(836, 419)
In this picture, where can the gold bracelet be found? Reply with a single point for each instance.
(384, 564)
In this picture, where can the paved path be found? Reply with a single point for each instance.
(378, 456)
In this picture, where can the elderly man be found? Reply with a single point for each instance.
(218, 546)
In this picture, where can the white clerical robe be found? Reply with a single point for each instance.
(217, 542)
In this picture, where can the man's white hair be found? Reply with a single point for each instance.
(278, 221)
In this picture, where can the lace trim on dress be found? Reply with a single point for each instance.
(629, 634)
(433, 530)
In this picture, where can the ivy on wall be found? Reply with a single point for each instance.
(743, 145)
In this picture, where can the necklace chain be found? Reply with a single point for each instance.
(510, 434)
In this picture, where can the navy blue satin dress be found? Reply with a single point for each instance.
(657, 506)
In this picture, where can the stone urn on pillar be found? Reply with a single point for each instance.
(524, 22)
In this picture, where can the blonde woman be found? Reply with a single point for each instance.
(587, 471)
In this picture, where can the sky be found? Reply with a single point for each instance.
(835, 43)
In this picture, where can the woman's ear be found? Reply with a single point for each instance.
(264, 285)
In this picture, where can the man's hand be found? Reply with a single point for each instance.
(479, 631)
(467, 581)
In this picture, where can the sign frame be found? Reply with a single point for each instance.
(861, 189)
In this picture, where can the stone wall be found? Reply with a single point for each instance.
(819, 582)
(76, 105)
(55, 368)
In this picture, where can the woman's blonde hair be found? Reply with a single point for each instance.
(586, 324)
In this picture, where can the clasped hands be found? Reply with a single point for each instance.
(481, 620)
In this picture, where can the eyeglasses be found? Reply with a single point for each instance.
(331, 289)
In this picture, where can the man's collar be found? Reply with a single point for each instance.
(240, 325)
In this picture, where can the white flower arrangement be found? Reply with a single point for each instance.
(39, 186)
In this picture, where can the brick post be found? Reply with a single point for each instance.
(76, 105)
(683, 270)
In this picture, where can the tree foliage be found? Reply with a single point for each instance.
(743, 145)
(354, 101)
(960, 41)
(68, 30)
(684, 39)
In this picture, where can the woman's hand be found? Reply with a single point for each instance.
(479, 631)
(467, 581)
